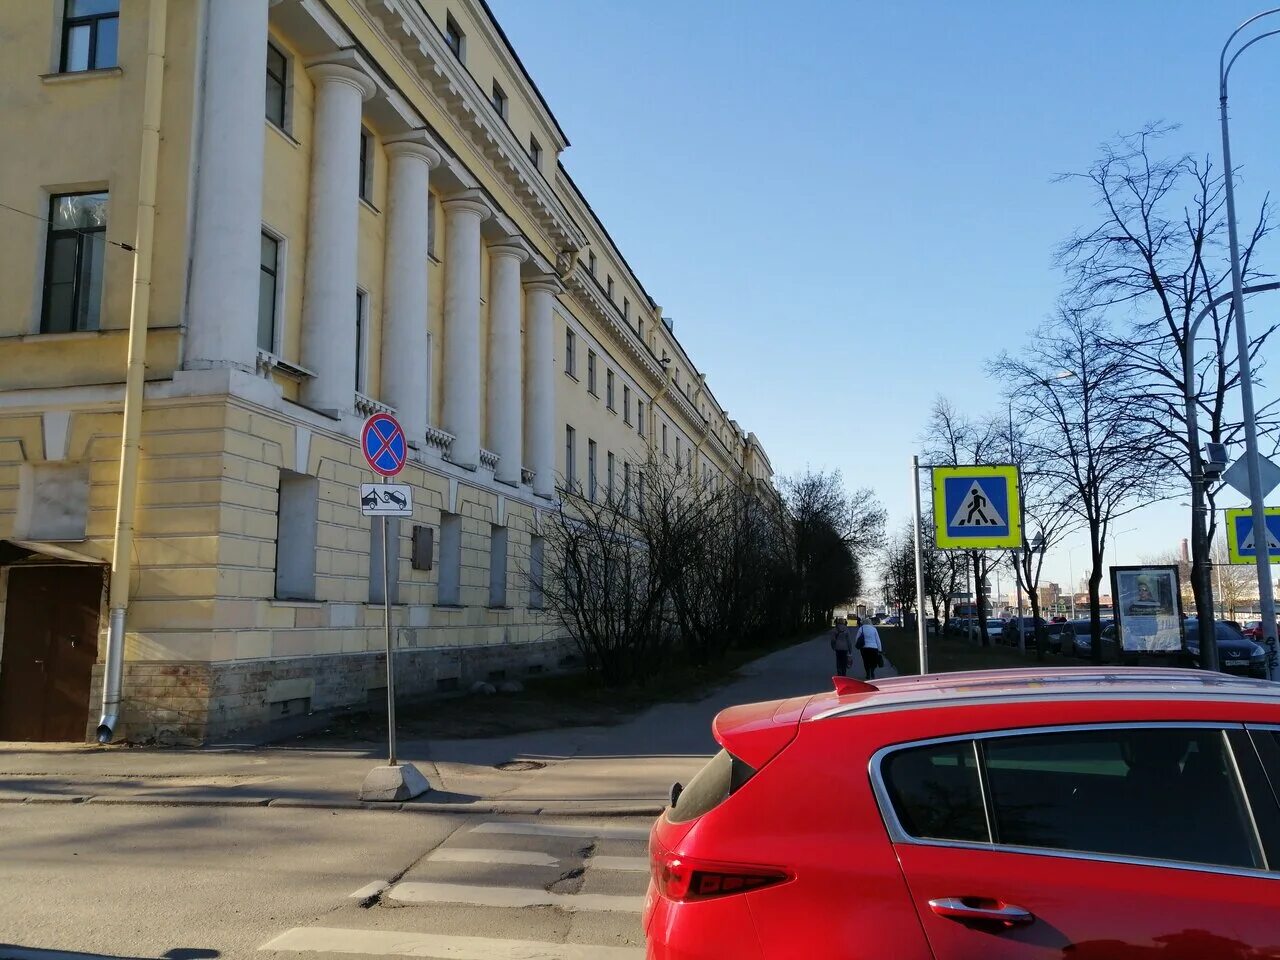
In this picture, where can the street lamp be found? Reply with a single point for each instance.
(1071, 575)
(1266, 596)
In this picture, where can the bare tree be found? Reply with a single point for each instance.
(1157, 256)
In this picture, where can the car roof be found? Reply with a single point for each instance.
(1041, 684)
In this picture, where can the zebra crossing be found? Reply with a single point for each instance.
(498, 890)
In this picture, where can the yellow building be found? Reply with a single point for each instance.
(316, 209)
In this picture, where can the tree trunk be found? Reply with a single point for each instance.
(1095, 612)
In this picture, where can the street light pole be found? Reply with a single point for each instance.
(1266, 595)
(1017, 551)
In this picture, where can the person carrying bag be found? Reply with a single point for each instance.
(841, 644)
(867, 639)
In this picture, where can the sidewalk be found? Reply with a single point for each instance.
(623, 769)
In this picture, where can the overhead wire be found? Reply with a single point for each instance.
(92, 235)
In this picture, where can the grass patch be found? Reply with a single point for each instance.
(953, 654)
(546, 703)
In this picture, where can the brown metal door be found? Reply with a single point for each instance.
(50, 647)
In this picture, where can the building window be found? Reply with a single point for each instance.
(626, 309)
(537, 553)
(277, 85)
(499, 100)
(640, 328)
(74, 262)
(90, 31)
(268, 295)
(384, 556)
(677, 452)
(626, 487)
(450, 589)
(431, 225)
(591, 373)
(497, 566)
(608, 389)
(664, 441)
(570, 441)
(296, 516)
(455, 38)
(366, 165)
(591, 263)
(362, 331)
(535, 151)
(609, 474)
(640, 416)
(608, 287)
(570, 350)
(591, 470)
(626, 404)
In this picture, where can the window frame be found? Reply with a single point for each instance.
(500, 101)
(454, 38)
(609, 381)
(626, 404)
(591, 262)
(366, 164)
(570, 352)
(535, 151)
(570, 455)
(592, 448)
(84, 236)
(92, 21)
(362, 341)
(277, 306)
(591, 374)
(283, 80)
(899, 835)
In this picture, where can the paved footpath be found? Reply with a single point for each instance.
(619, 770)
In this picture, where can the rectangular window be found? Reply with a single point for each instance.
(537, 555)
(609, 287)
(450, 589)
(90, 34)
(498, 566)
(591, 263)
(366, 165)
(277, 85)
(664, 440)
(570, 349)
(384, 557)
(570, 441)
(640, 328)
(626, 309)
(608, 389)
(677, 450)
(535, 151)
(591, 373)
(626, 404)
(296, 516)
(640, 416)
(431, 225)
(499, 100)
(268, 286)
(609, 461)
(455, 38)
(591, 470)
(640, 490)
(362, 331)
(626, 486)
(73, 264)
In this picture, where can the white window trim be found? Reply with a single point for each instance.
(287, 130)
(282, 275)
(362, 344)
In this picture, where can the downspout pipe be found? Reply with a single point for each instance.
(135, 375)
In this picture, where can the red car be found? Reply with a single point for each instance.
(1004, 815)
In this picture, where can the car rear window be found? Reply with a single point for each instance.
(715, 783)
(936, 792)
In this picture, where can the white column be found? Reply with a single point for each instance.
(540, 384)
(329, 290)
(505, 428)
(222, 306)
(463, 215)
(404, 313)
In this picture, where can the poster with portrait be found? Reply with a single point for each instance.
(1148, 608)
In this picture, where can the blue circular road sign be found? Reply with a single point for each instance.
(384, 445)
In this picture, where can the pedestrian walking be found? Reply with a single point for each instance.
(842, 644)
(867, 639)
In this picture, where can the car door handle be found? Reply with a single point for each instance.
(981, 910)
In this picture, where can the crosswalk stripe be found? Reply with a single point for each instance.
(517, 897)
(369, 890)
(484, 855)
(608, 832)
(391, 942)
(633, 864)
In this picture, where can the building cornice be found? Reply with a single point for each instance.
(583, 289)
(410, 35)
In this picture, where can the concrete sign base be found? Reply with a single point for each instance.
(393, 784)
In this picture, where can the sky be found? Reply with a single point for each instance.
(848, 208)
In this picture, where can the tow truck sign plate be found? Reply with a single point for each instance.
(386, 499)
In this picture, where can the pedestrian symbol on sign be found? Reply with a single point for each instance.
(976, 510)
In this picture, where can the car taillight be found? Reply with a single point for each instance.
(683, 879)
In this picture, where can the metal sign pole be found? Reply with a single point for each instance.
(922, 630)
(386, 623)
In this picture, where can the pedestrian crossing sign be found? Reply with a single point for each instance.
(1242, 545)
(977, 507)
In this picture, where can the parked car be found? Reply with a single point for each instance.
(1055, 633)
(958, 626)
(1236, 653)
(1082, 639)
(1107, 810)
(1253, 629)
(894, 621)
(1058, 619)
(933, 625)
(994, 627)
(1027, 624)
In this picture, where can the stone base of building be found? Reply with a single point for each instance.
(194, 703)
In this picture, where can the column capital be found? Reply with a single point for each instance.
(343, 68)
(471, 201)
(512, 247)
(545, 283)
(413, 144)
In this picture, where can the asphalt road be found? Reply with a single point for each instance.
(187, 882)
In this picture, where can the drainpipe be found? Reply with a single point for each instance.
(139, 308)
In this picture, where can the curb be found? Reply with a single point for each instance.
(571, 808)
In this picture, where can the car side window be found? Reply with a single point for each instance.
(936, 792)
(1159, 793)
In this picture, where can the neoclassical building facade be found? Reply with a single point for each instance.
(307, 211)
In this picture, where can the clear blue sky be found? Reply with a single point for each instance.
(847, 207)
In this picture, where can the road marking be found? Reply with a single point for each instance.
(635, 864)
(391, 942)
(470, 855)
(516, 897)
(369, 890)
(562, 830)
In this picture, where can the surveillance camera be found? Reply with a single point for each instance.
(1215, 460)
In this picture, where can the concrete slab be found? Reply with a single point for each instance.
(388, 784)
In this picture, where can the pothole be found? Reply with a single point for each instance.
(519, 766)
